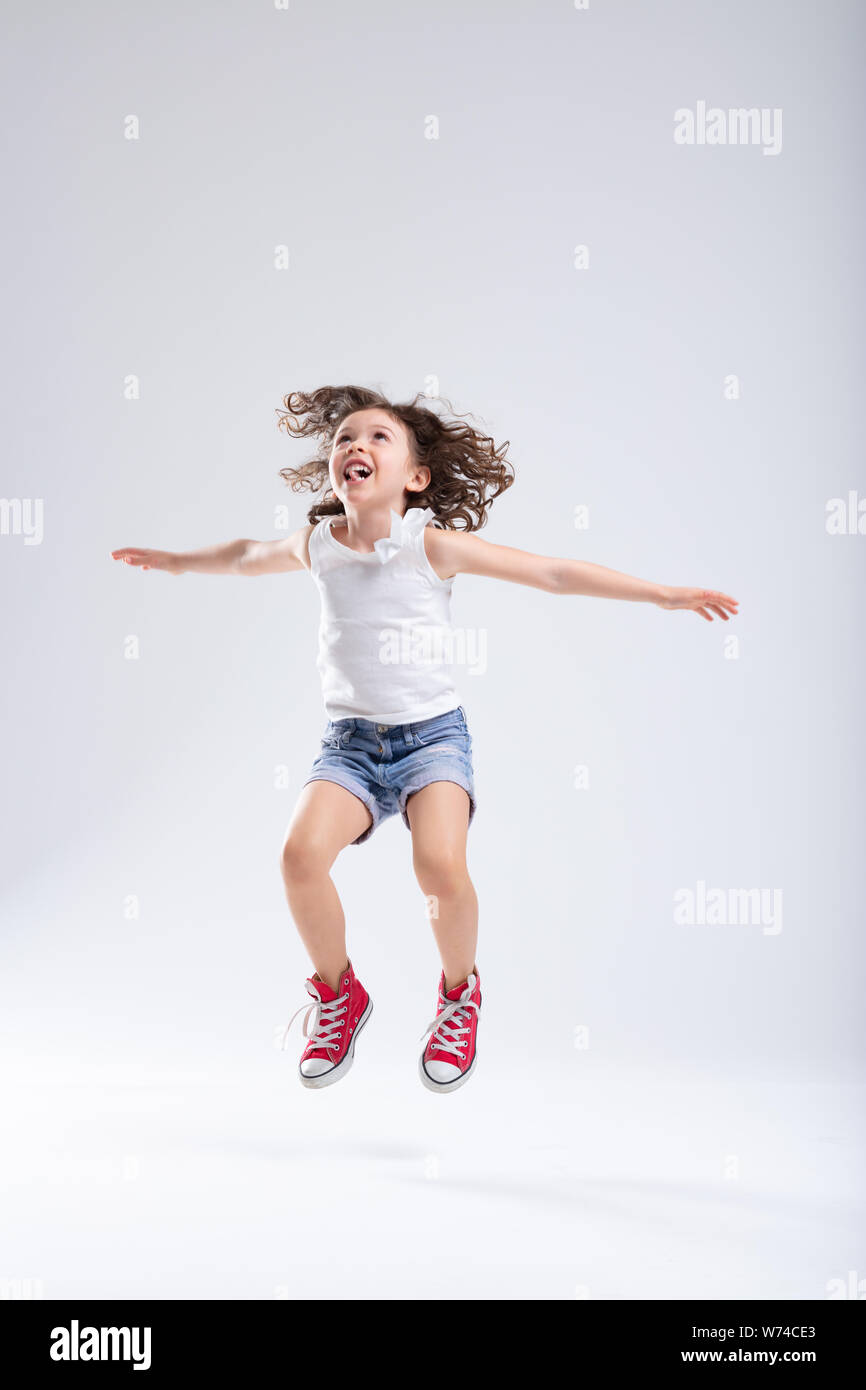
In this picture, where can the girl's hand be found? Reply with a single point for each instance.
(149, 559)
(700, 600)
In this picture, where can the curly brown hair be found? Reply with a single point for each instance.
(467, 470)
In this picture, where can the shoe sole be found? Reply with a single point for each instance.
(438, 1087)
(315, 1083)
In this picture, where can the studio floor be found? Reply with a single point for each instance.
(530, 1183)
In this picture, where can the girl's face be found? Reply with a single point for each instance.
(371, 461)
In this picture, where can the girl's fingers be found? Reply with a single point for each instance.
(719, 603)
(706, 602)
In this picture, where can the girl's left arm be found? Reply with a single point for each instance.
(462, 552)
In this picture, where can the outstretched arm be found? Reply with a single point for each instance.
(461, 552)
(234, 557)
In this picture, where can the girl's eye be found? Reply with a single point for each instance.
(378, 432)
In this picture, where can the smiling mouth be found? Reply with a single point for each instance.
(356, 472)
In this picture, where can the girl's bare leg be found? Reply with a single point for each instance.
(439, 819)
(325, 819)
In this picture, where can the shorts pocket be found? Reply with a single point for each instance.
(445, 729)
(335, 738)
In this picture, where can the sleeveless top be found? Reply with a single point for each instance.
(385, 635)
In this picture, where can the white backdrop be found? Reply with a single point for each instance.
(487, 202)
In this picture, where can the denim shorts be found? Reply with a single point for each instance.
(384, 764)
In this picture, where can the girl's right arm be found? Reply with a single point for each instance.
(234, 557)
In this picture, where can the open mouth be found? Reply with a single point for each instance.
(356, 472)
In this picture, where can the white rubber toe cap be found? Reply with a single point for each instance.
(442, 1071)
(315, 1066)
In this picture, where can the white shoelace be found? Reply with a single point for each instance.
(448, 1026)
(325, 1031)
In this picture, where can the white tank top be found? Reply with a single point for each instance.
(385, 635)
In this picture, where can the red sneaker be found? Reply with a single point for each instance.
(337, 1021)
(449, 1057)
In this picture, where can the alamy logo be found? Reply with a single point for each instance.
(738, 126)
(852, 1287)
(846, 519)
(432, 645)
(102, 1344)
(22, 516)
(720, 907)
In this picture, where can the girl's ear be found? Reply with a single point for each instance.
(421, 470)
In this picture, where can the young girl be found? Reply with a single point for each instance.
(400, 490)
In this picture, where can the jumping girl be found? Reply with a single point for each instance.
(399, 492)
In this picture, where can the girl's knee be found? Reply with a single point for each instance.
(303, 857)
(441, 872)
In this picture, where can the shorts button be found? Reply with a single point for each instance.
(380, 748)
